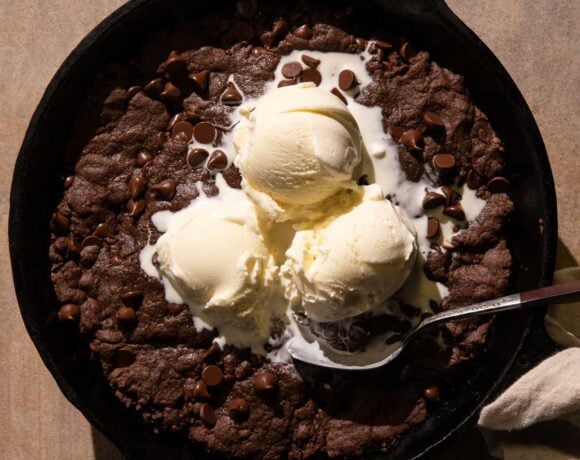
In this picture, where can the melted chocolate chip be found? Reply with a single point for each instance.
(143, 158)
(200, 79)
(212, 375)
(183, 129)
(455, 211)
(135, 208)
(346, 80)
(132, 92)
(444, 162)
(473, 180)
(200, 391)
(207, 414)
(312, 75)
(396, 133)
(126, 316)
(137, 186)
(432, 227)
(239, 408)
(407, 51)
(432, 200)
(103, 231)
(310, 61)
(339, 95)
(292, 70)
(433, 121)
(265, 382)
(432, 393)
(231, 96)
(217, 160)
(283, 83)
(68, 182)
(196, 157)
(204, 132)
(132, 298)
(171, 93)
(165, 190)
(69, 312)
(154, 88)
(175, 64)
(413, 139)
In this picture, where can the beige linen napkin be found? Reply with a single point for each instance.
(538, 417)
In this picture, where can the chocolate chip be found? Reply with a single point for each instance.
(413, 139)
(455, 211)
(312, 75)
(175, 64)
(135, 208)
(171, 93)
(204, 132)
(239, 408)
(283, 83)
(265, 382)
(384, 45)
(212, 354)
(68, 182)
(137, 186)
(363, 180)
(200, 390)
(143, 158)
(473, 180)
(126, 316)
(132, 92)
(407, 51)
(397, 132)
(154, 88)
(433, 121)
(432, 227)
(200, 79)
(155, 259)
(394, 338)
(176, 118)
(346, 80)
(69, 312)
(165, 189)
(183, 129)
(231, 96)
(444, 162)
(60, 223)
(432, 200)
(498, 184)
(217, 160)
(339, 95)
(161, 139)
(304, 31)
(212, 375)
(310, 61)
(207, 414)
(92, 240)
(132, 298)
(361, 42)
(259, 51)
(125, 358)
(196, 157)
(73, 248)
(292, 70)
(432, 393)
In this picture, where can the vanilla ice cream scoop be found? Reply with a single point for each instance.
(297, 146)
(351, 262)
(214, 258)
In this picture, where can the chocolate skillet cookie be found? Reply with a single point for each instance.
(128, 159)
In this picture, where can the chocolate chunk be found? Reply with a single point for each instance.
(473, 180)
(444, 162)
(132, 298)
(413, 139)
(137, 186)
(212, 354)
(207, 414)
(92, 240)
(339, 95)
(394, 338)
(125, 358)
(455, 211)
(69, 312)
(498, 184)
(126, 316)
(175, 64)
(265, 382)
(231, 96)
(312, 75)
(283, 83)
(165, 189)
(432, 200)
(60, 223)
(200, 79)
(346, 80)
(204, 132)
(171, 93)
(154, 88)
(432, 393)
(397, 132)
(292, 70)
(217, 160)
(304, 31)
(310, 61)
(432, 227)
(68, 182)
(239, 408)
(212, 375)
(433, 121)
(135, 208)
(183, 129)
(143, 158)
(200, 390)
(407, 51)
(196, 157)
(132, 92)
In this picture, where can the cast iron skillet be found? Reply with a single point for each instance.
(517, 340)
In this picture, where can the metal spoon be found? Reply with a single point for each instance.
(559, 293)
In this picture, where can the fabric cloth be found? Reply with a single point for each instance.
(538, 417)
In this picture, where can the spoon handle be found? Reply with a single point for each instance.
(558, 293)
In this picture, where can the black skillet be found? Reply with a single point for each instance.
(517, 341)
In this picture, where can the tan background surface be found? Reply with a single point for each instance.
(537, 41)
